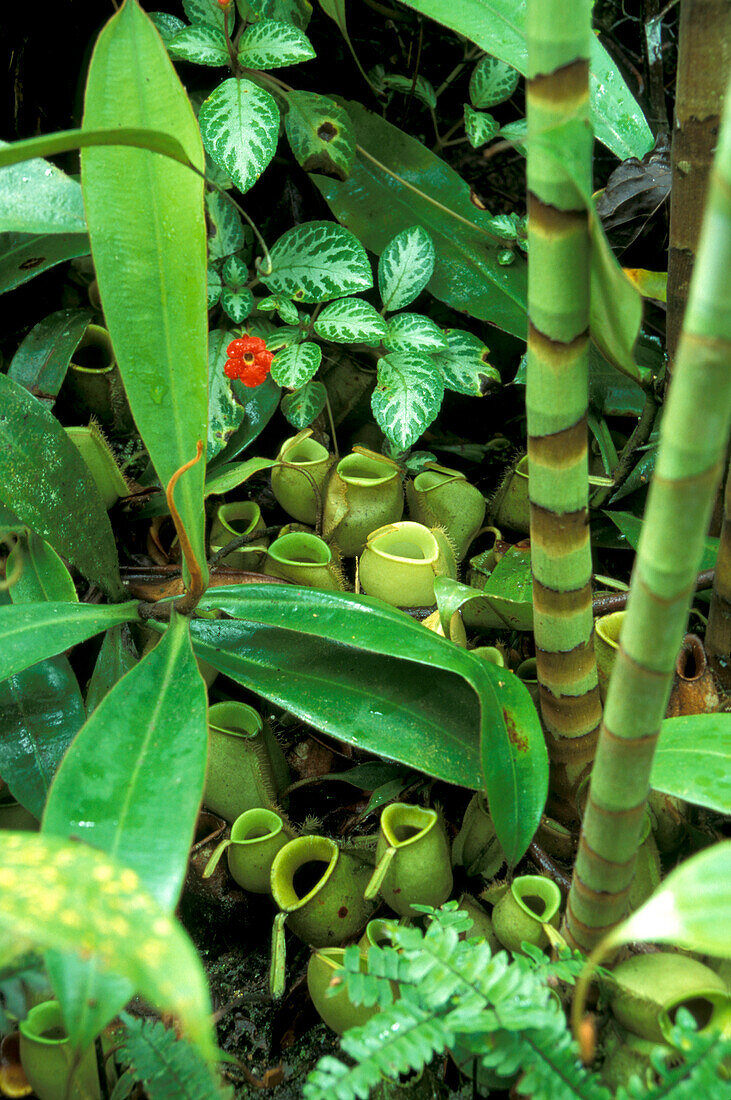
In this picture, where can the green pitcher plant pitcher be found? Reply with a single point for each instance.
(242, 517)
(94, 383)
(476, 846)
(335, 1009)
(440, 497)
(304, 559)
(319, 889)
(256, 838)
(299, 485)
(606, 645)
(522, 911)
(246, 767)
(510, 507)
(400, 562)
(647, 991)
(363, 493)
(413, 864)
(48, 1058)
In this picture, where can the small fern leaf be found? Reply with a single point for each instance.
(170, 1068)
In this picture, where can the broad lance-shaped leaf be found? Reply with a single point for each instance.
(407, 397)
(240, 126)
(405, 267)
(296, 364)
(25, 255)
(498, 27)
(317, 261)
(69, 897)
(131, 785)
(365, 673)
(42, 574)
(41, 711)
(31, 632)
(319, 134)
(397, 173)
(41, 361)
(116, 657)
(148, 236)
(691, 908)
(693, 760)
(37, 197)
(47, 484)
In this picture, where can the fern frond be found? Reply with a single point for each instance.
(170, 1068)
(700, 1074)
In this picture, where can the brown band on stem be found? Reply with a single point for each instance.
(559, 449)
(568, 749)
(598, 898)
(595, 857)
(553, 222)
(558, 533)
(566, 666)
(568, 82)
(631, 744)
(555, 353)
(196, 588)
(605, 819)
(550, 601)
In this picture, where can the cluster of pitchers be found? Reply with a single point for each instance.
(360, 502)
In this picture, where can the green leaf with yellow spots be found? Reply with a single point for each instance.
(67, 896)
(131, 785)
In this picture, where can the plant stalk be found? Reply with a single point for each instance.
(690, 462)
(557, 95)
(704, 61)
(718, 631)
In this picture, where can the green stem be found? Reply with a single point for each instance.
(690, 460)
(718, 633)
(557, 95)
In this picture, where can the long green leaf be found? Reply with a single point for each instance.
(41, 711)
(64, 141)
(67, 896)
(30, 633)
(693, 760)
(147, 230)
(25, 255)
(498, 27)
(43, 576)
(371, 676)
(467, 275)
(131, 785)
(46, 482)
(691, 908)
(41, 361)
(39, 198)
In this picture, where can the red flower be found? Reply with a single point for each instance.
(249, 360)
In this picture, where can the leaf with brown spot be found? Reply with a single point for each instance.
(320, 134)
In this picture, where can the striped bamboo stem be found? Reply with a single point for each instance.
(718, 631)
(690, 461)
(559, 35)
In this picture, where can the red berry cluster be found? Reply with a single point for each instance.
(248, 360)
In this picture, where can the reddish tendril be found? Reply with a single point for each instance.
(248, 360)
